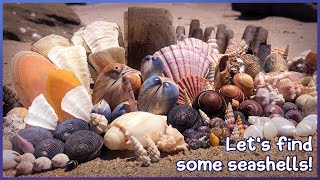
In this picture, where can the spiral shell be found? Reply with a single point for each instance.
(252, 64)
(49, 148)
(217, 122)
(229, 117)
(236, 47)
(60, 160)
(251, 108)
(83, 145)
(273, 109)
(232, 92)
(244, 82)
(211, 103)
(216, 131)
(68, 127)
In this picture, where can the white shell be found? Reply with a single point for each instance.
(254, 131)
(41, 114)
(8, 157)
(74, 59)
(308, 126)
(60, 160)
(258, 120)
(25, 157)
(24, 168)
(42, 163)
(284, 126)
(269, 130)
(310, 107)
(12, 124)
(77, 102)
(301, 100)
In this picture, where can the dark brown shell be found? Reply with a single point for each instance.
(273, 109)
(232, 92)
(251, 108)
(294, 115)
(49, 148)
(83, 145)
(310, 63)
(226, 132)
(69, 126)
(298, 66)
(211, 103)
(287, 106)
(217, 122)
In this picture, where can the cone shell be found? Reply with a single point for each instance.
(29, 72)
(232, 92)
(45, 44)
(193, 86)
(59, 83)
(244, 82)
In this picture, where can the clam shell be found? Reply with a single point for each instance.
(244, 82)
(24, 168)
(83, 145)
(73, 59)
(151, 66)
(25, 157)
(232, 92)
(42, 163)
(8, 157)
(251, 108)
(284, 126)
(45, 44)
(68, 127)
(121, 109)
(193, 86)
(308, 126)
(60, 160)
(29, 72)
(49, 148)
(59, 83)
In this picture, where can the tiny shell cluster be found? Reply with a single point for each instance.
(189, 95)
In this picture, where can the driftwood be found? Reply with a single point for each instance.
(193, 25)
(207, 33)
(197, 33)
(221, 38)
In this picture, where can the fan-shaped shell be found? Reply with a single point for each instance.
(244, 82)
(232, 92)
(83, 145)
(211, 103)
(29, 72)
(193, 86)
(109, 84)
(157, 95)
(49, 148)
(252, 64)
(32, 134)
(68, 127)
(58, 84)
(251, 108)
(45, 44)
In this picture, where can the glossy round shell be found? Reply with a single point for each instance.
(251, 108)
(217, 122)
(244, 82)
(273, 109)
(287, 106)
(232, 92)
(294, 115)
(83, 145)
(68, 127)
(49, 148)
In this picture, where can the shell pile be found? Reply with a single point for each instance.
(189, 95)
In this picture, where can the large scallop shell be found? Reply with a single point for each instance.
(73, 59)
(58, 84)
(49, 148)
(45, 44)
(244, 82)
(68, 127)
(193, 86)
(232, 92)
(29, 72)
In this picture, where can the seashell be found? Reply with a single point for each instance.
(19, 111)
(191, 134)
(77, 39)
(204, 117)
(310, 107)
(29, 72)
(284, 126)
(25, 157)
(155, 126)
(184, 117)
(212, 41)
(229, 117)
(42, 163)
(301, 101)
(41, 114)
(208, 86)
(214, 140)
(287, 106)
(240, 125)
(236, 47)
(273, 109)
(254, 131)
(195, 144)
(216, 131)
(275, 63)
(60, 160)
(141, 153)
(49, 148)
(294, 115)
(225, 132)
(7, 145)
(297, 65)
(24, 145)
(34, 135)
(252, 64)
(74, 59)
(269, 130)
(251, 108)
(24, 168)
(217, 122)
(310, 63)
(242, 116)
(8, 157)
(153, 151)
(72, 164)
(68, 127)
(157, 95)
(293, 122)
(235, 104)
(257, 120)
(288, 89)
(103, 108)
(151, 66)
(193, 85)
(275, 115)
(222, 72)
(244, 82)
(58, 84)
(12, 124)
(308, 126)
(98, 123)
(211, 103)
(83, 145)
(109, 84)
(235, 133)
(286, 53)
(121, 109)
(10, 100)
(232, 92)
(45, 44)
(211, 73)
(187, 100)
(203, 129)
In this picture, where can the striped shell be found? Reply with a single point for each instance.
(29, 72)
(193, 86)
(232, 92)
(68, 127)
(83, 145)
(252, 64)
(49, 148)
(244, 82)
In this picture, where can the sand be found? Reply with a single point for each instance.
(282, 31)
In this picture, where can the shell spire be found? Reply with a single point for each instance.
(153, 151)
(204, 117)
(99, 123)
(229, 117)
(286, 53)
(235, 133)
(131, 99)
(187, 100)
(240, 125)
(212, 41)
(208, 86)
(211, 73)
(141, 153)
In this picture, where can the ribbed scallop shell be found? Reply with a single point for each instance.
(244, 82)
(193, 86)
(83, 145)
(252, 64)
(49, 148)
(58, 84)
(74, 59)
(45, 44)
(33, 134)
(232, 92)
(29, 72)
(68, 127)
(77, 39)
(236, 47)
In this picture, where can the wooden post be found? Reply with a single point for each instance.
(193, 25)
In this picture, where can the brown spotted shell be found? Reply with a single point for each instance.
(232, 92)
(252, 64)
(193, 86)
(244, 82)
(251, 108)
(212, 103)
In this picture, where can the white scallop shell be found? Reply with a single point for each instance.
(284, 126)
(41, 114)
(8, 157)
(308, 126)
(254, 131)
